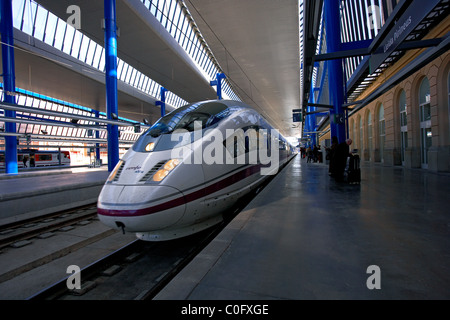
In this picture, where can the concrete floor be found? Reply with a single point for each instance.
(306, 236)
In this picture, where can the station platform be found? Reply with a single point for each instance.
(306, 237)
(31, 193)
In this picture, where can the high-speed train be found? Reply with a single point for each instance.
(192, 165)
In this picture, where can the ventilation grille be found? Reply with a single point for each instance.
(119, 171)
(150, 174)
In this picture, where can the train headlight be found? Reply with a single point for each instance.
(168, 166)
(171, 164)
(149, 147)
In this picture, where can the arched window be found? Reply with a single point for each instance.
(448, 91)
(355, 146)
(381, 131)
(369, 134)
(360, 135)
(403, 124)
(425, 121)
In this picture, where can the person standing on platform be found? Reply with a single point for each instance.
(24, 160)
(331, 155)
(342, 153)
(32, 160)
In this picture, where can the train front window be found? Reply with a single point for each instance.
(184, 118)
(197, 116)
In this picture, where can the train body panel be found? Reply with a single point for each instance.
(189, 168)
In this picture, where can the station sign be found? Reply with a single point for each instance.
(297, 115)
(409, 20)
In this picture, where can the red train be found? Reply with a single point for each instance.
(36, 158)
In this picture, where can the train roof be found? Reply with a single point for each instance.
(208, 112)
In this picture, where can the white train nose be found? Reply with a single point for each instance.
(140, 208)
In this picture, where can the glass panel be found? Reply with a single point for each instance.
(28, 17)
(98, 53)
(425, 113)
(17, 7)
(91, 52)
(76, 44)
(404, 144)
(402, 106)
(50, 29)
(381, 113)
(83, 48)
(68, 39)
(369, 131)
(59, 35)
(424, 92)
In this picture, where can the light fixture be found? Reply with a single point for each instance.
(149, 147)
(168, 167)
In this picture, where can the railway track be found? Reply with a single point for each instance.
(19, 232)
(137, 271)
(131, 269)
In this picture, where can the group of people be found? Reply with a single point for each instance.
(312, 154)
(337, 154)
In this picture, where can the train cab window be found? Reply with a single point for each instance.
(198, 116)
(206, 114)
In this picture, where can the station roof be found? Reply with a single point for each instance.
(272, 53)
(265, 74)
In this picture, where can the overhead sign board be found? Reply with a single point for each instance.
(297, 115)
(408, 21)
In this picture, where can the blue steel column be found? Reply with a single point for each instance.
(97, 136)
(218, 83)
(312, 117)
(111, 81)
(162, 102)
(6, 29)
(335, 72)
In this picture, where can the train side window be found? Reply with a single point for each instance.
(235, 144)
(45, 157)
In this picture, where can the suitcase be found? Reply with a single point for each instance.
(353, 171)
